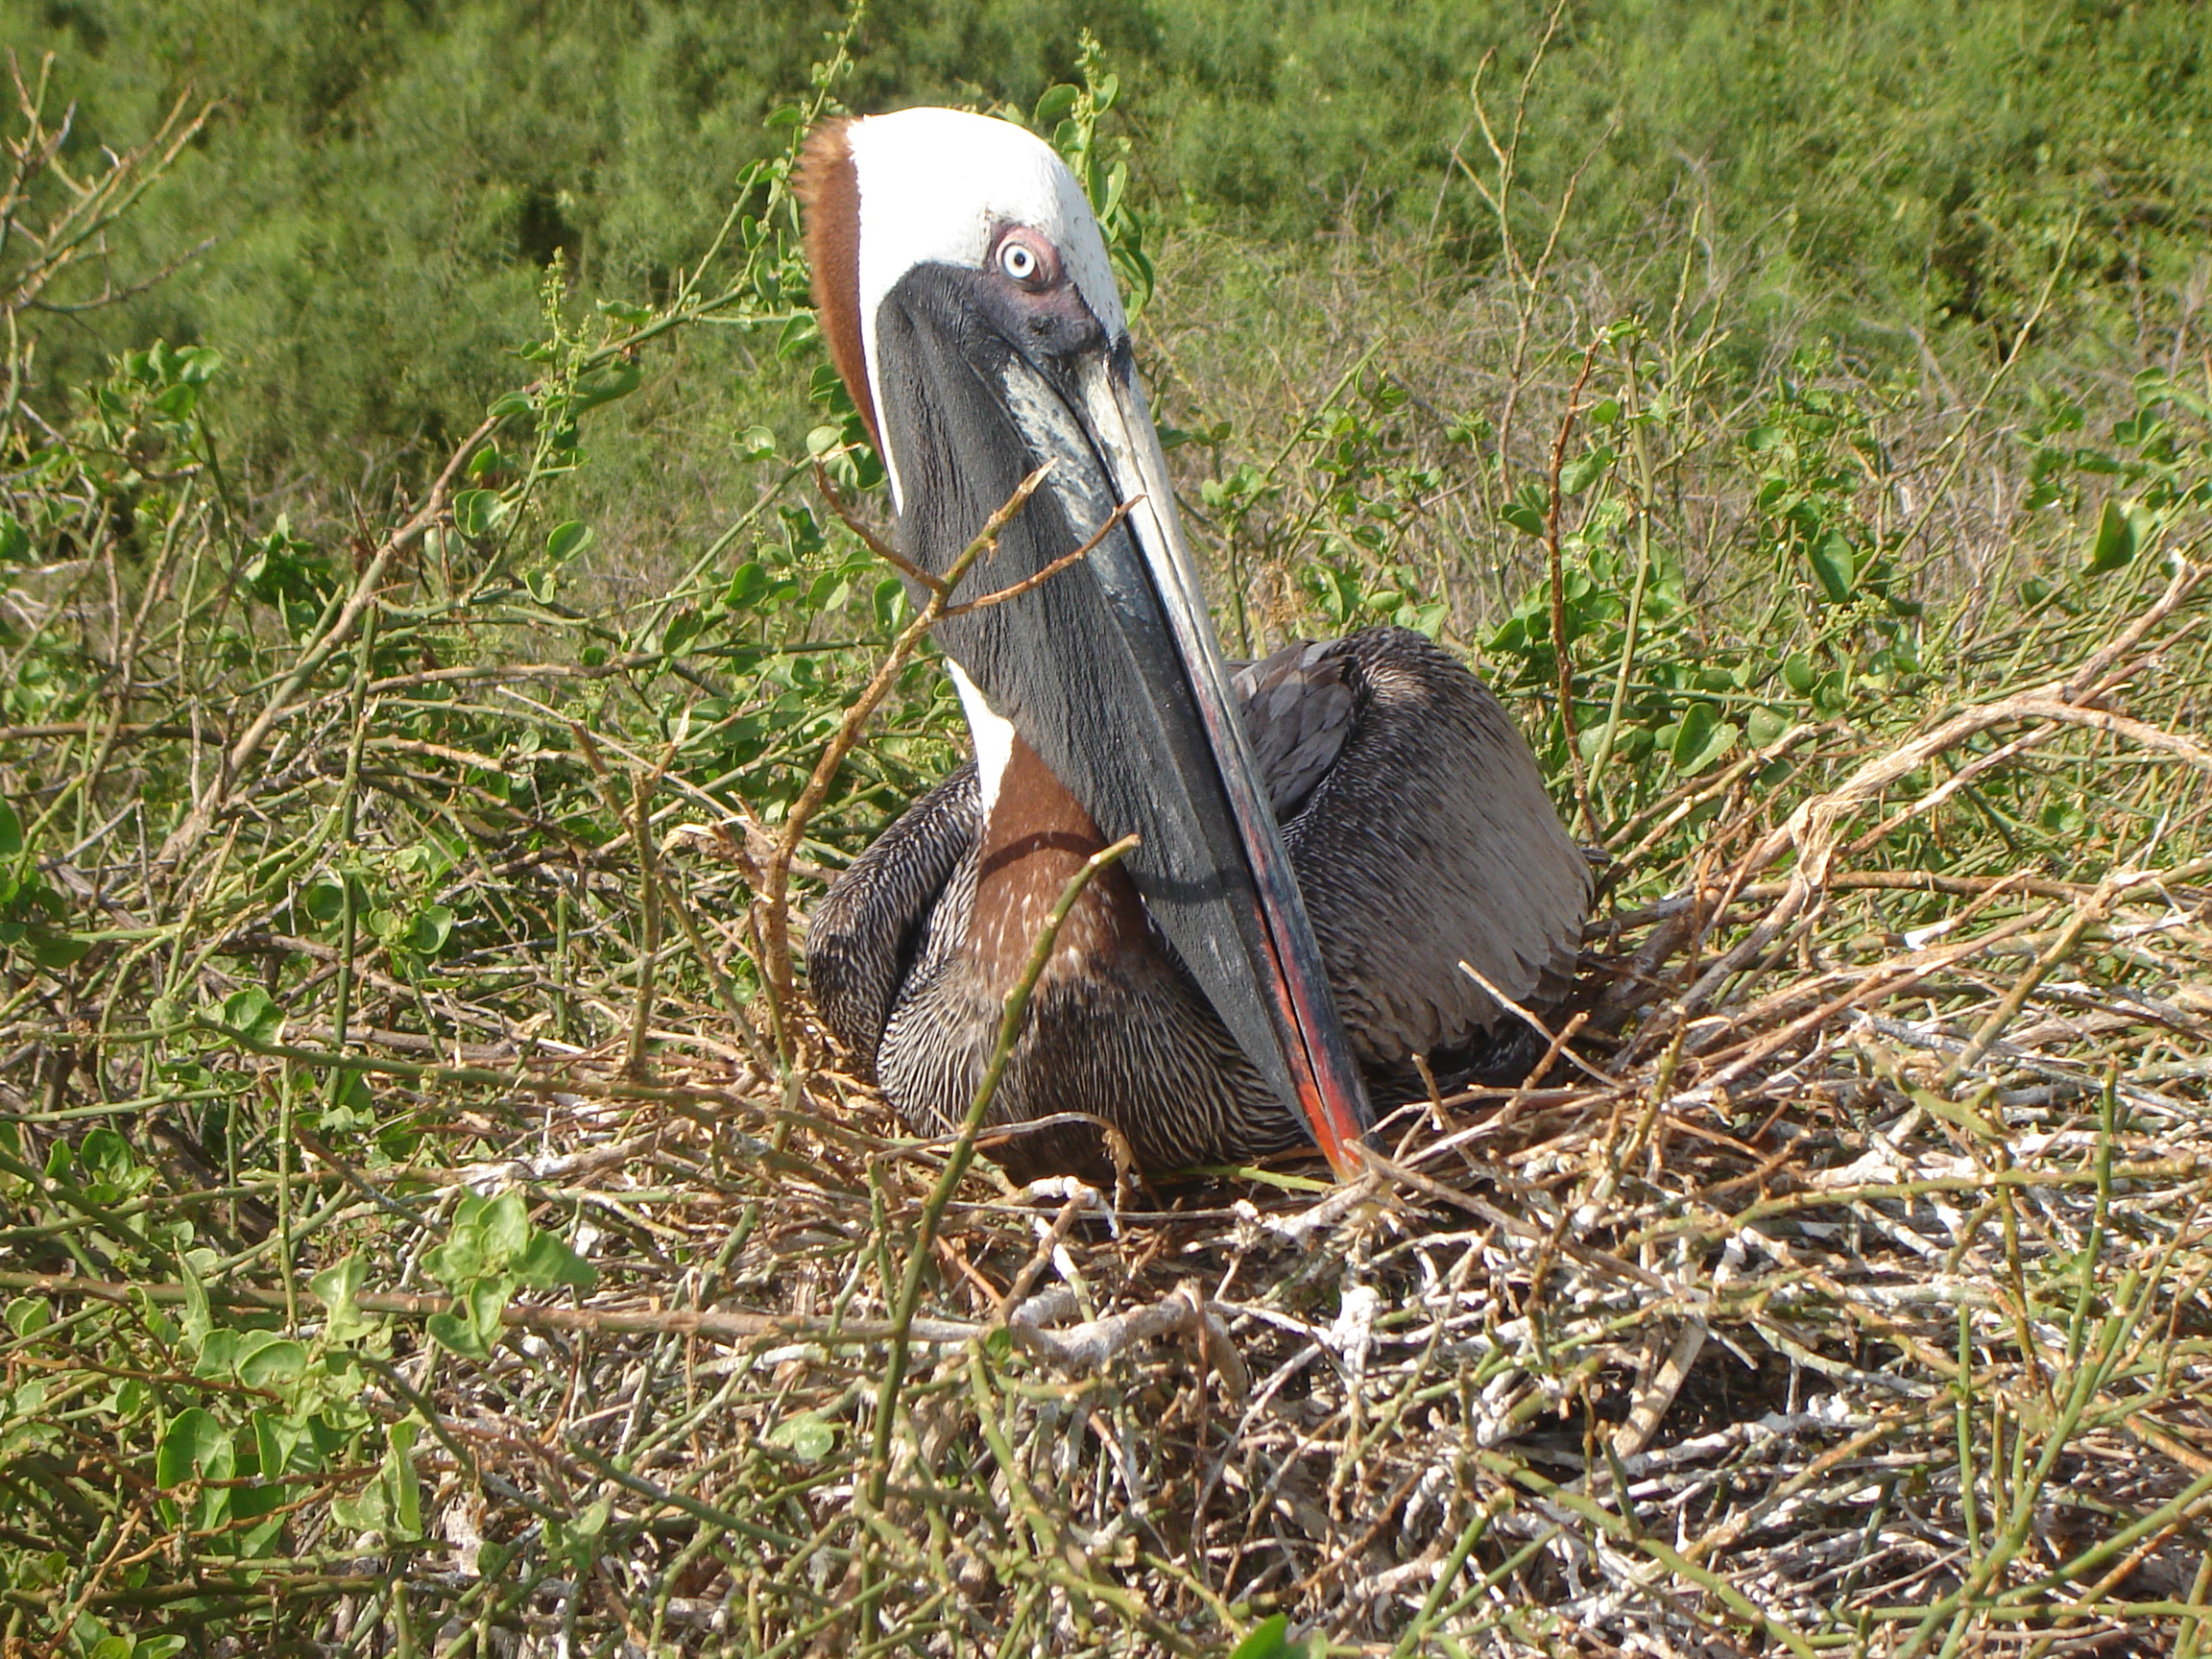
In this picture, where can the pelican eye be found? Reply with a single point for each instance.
(1028, 260)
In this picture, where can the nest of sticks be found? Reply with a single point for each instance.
(1839, 1283)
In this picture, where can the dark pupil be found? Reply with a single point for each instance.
(1019, 262)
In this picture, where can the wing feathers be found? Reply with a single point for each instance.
(1426, 838)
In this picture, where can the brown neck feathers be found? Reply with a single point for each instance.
(1036, 840)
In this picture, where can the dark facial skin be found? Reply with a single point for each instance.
(1027, 295)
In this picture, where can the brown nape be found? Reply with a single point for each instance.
(1037, 838)
(828, 192)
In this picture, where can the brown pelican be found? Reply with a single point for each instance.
(1325, 836)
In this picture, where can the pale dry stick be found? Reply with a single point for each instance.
(1551, 1497)
(1613, 1267)
(75, 229)
(1087, 1346)
(1950, 787)
(1665, 813)
(938, 584)
(1967, 421)
(1507, 157)
(2136, 731)
(1872, 881)
(1651, 1402)
(2091, 911)
(2088, 1378)
(2092, 677)
(725, 990)
(771, 910)
(642, 784)
(124, 681)
(1557, 1041)
(1055, 1235)
(674, 781)
(655, 615)
(187, 835)
(1889, 981)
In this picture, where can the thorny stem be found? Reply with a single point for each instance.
(772, 911)
(1559, 651)
(1633, 625)
(1013, 1014)
(188, 835)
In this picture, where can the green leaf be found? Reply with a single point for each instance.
(685, 626)
(1701, 740)
(323, 899)
(1834, 565)
(796, 335)
(2114, 548)
(548, 1261)
(198, 1316)
(603, 385)
(271, 1362)
(475, 1329)
(757, 444)
(430, 930)
(475, 512)
(1053, 105)
(1523, 518)
(1584, 470)
(1763, 726)
(28, 1315)
(460, 1260)
(566, 540)
(1269, 1639)
(195, 1446)
(806, 1436)
(399, 1478)
(11, 832)
(506, 1223)
(253, 1015)
(338, 1288)
(15, 540)
(749, 581)
(50, 947)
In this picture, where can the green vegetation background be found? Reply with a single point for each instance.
(385, 180)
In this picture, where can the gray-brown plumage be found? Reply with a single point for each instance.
(1420, 834)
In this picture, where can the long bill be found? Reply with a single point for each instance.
(1303, 1010)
